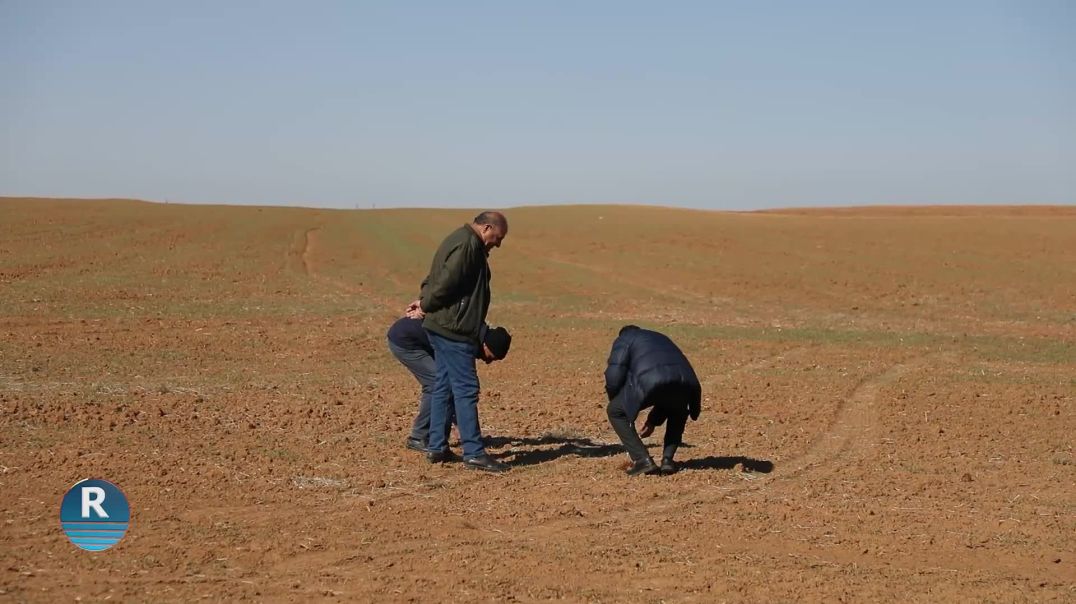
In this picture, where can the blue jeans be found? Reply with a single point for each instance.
(424, 368)
(456, 386)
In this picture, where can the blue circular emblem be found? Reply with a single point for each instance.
(94, 514)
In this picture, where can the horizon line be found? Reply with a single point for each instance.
(375, 207)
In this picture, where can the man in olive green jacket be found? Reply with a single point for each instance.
(455, 298)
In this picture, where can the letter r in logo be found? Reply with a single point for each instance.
(92, 497)
(84, 518)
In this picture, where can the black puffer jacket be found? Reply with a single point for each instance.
(642, 361)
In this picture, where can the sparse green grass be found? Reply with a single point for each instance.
(1024, 350)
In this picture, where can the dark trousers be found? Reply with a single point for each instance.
(624, 427)
(668, 406)
(421, 365)
(675, 413)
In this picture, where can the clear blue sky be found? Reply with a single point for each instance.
(727, 105)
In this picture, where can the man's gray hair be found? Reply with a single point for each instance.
(492, 218)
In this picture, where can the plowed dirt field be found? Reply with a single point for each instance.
(889, 406)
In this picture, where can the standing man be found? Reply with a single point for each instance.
(646, 369)
(455, 299)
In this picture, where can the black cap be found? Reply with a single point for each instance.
(499, 341)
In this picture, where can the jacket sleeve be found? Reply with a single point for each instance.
(441, 288)
(694, 406)
(616, 372)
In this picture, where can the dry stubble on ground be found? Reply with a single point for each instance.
(909, 374)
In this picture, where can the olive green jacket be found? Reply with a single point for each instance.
(455, 295)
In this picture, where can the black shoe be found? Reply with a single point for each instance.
(668, 466)
(644, 466)
(440, 456)
(416, 444)
(485, 463)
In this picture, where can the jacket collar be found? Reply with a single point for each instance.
(481, 243)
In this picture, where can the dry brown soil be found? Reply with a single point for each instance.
(910, 374)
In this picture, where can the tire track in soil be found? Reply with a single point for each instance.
(307, 251)
(300, 257)
(297, 256)
(856, 421)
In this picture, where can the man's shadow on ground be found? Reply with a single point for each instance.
(566, 445)
(715, 462)
(585, 447)
(718, 462)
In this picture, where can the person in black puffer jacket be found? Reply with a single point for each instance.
(646, 369)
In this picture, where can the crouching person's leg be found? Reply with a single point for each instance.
(641, 463)
(674, 434)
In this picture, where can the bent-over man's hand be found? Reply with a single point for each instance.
(414, 310)
(646, 430)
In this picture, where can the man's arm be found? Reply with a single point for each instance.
(441, 288)
(414, 309)
(616, 372)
